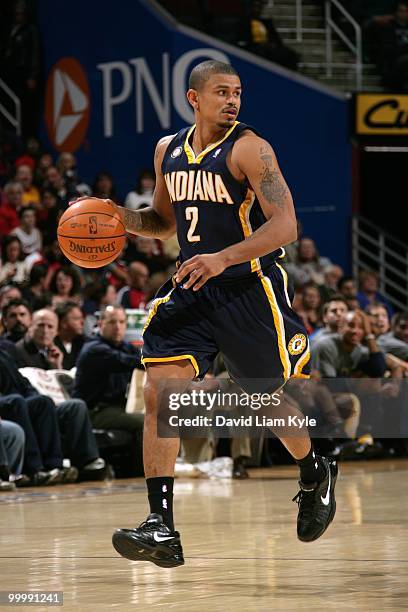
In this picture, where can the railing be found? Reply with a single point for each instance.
(330, 28)
(356, 48)
(374, 249)
(15, 119)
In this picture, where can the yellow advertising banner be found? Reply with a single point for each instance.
(385, 114)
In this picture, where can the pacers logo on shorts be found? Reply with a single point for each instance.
(67, 105)
(297, 344)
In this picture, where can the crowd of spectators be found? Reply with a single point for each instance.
(49, 312)
(384, 25)
(49, 321)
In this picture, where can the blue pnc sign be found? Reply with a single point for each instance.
(116, 77)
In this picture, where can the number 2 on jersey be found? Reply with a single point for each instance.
(192, 215)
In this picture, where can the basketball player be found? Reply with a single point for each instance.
(220, 187)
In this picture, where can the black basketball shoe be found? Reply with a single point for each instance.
(151, 541)
(317, 504)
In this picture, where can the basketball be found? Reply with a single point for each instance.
(91, 233)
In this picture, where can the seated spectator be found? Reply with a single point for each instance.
(134, 294)
(55, 181)
(8, 293)
(104, 369)
(31, 195)
(103, 186)
(368, 291)
(343, 354)
(36, 292)
(100, 295)
(348, 288)
(13, 265)
(65, 286)
(36, 415)
(54, 259)
(261, 37)
(143, 193)
(44, 162)
(70, 338)
(67, 165)
(332, 276)
(308, 266)
(16, 319)
(27, 232)
(10, 207)
(12, 442)
(393, 50)
(309, 308)
(155, 282)
(147, 251)
(38, 350)
(50, 214)
(393, 341)
(334, 318)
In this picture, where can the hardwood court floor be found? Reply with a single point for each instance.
(239, 540)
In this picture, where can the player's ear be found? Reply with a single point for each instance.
(192, 97)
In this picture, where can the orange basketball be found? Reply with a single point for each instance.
(91, 233)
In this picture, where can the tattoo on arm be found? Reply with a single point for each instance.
(272, 187)
(145, 222)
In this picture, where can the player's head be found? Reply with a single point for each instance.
(215, 93)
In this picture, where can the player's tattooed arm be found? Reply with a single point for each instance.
(271, 183)
(253, 158)
(146, 222)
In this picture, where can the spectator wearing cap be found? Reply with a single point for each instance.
(27, 232)
(70, 338)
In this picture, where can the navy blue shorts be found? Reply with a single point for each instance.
(250, 322)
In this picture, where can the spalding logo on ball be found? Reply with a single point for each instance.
(91, 233)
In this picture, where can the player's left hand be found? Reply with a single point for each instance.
(200, 268)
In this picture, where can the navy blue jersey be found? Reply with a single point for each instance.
(213, 209)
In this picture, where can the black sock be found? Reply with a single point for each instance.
(160, 493)
(311, 468)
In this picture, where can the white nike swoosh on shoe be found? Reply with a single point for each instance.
(326, 498)
(158, 538)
